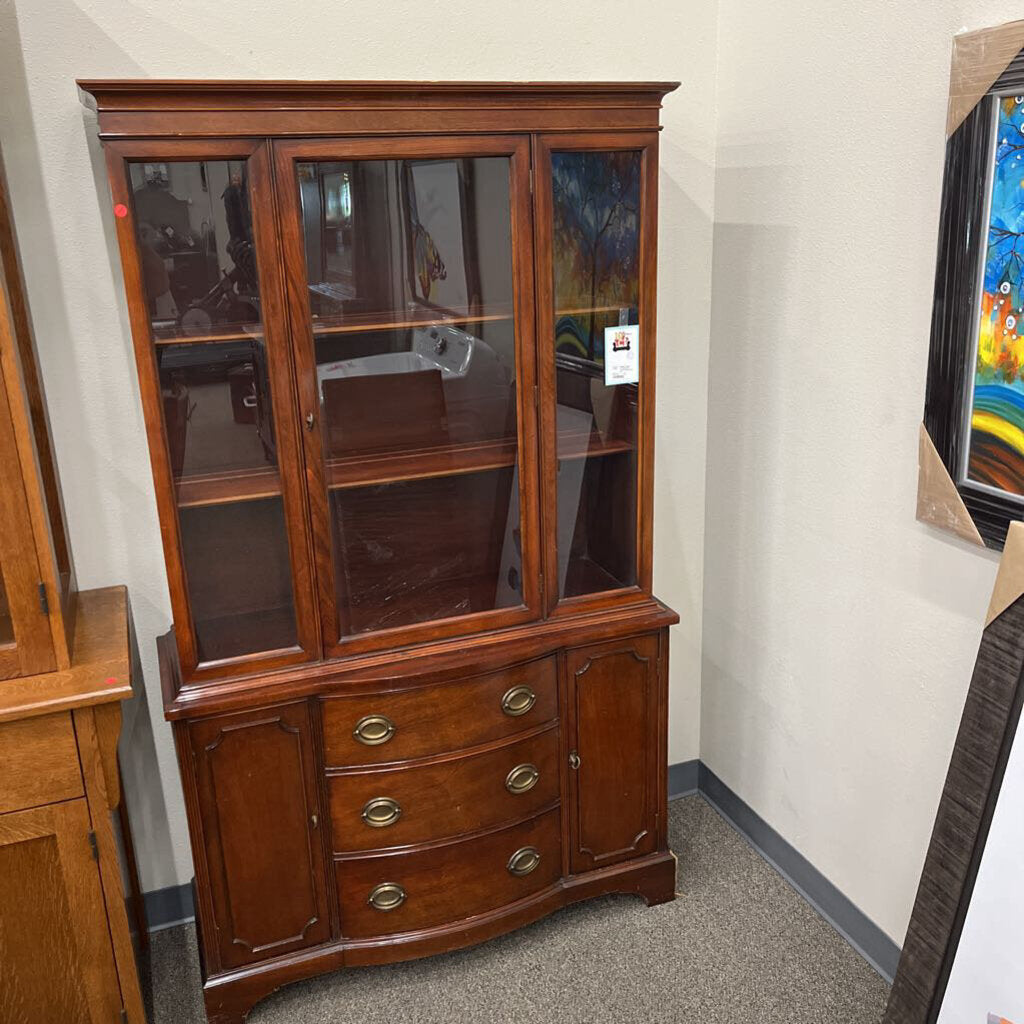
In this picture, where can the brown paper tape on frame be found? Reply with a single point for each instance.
(979, 58)
(938, 501)
(1009, 583)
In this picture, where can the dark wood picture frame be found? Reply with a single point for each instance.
(962, 239)
(980, 754)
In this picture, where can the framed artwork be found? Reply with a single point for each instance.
(974, 403)
(965, 943)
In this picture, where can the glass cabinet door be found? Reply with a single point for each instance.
(595, 206)
(412, 314)
(220, 384)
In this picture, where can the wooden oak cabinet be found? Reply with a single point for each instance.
(396, 354)
(66, 945)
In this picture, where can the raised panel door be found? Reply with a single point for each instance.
(614, 709)
(261, 832)
(58, 963)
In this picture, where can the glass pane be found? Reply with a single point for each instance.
(417, 550)
(596, 257)
(239, 577)
(410, 290)
(194, 228)
(6, 623)
(195, 235)
(995, 454)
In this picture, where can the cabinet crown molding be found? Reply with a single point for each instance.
(132, 108)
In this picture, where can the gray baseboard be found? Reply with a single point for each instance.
(168, 907)
(853, 924)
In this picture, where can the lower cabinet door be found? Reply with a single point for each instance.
(56, 961)
(615, 762)
(261, 828)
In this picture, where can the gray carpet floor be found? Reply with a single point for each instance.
(739, 946)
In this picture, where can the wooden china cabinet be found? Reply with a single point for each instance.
(395, 345)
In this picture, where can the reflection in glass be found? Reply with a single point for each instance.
(410, 290)
(596, 264)
(407, 239)
(194, 227)
(239, 577)
(6, 624)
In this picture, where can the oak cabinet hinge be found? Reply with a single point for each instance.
(124, 1017)
(44, 601)
(536, 397)
(95, 848)
(531, 181)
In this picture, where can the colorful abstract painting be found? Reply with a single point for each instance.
(996, 454)
(994, 1019)
(596, 207)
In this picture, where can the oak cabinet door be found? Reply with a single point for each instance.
(58, 964)
(614, 694)
(256, 781)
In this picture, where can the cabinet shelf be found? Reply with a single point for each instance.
(386, 467)
(401, 319)
(229, 332)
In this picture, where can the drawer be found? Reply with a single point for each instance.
(38, 762)
(448, 797)
(449, 881)
(444, 716)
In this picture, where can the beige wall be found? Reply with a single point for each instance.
(62, 212)
(839, 634)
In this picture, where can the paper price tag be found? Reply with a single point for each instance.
(622, 354)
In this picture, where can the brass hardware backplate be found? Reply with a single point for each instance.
(381, 811)
(522, 778)
(518, 700)
(372, 730)
(523, 861)
(386, 896)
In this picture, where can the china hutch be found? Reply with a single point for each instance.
(67, 942)
(395, 345)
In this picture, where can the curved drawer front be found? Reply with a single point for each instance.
(444, 798)
(364, 729)
(402, 892)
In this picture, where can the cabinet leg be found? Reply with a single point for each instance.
(224, 1007)
(658, 884)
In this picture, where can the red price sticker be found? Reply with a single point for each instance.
(120, 210)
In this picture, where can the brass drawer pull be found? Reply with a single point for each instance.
(518, 701)
(523, 861)
(381, 811)
(522, 778)
(374, 730)
(387, 896)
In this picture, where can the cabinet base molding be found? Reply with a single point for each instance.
(230, 997)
